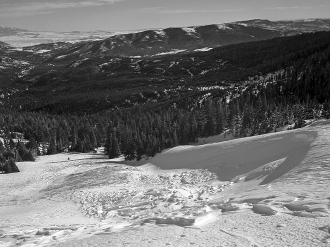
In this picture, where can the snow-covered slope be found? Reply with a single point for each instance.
(178, 189)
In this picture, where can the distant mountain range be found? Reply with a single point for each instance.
(154, 41)
(20, 37)
(85, 85)
(187, 39)
(135, 68)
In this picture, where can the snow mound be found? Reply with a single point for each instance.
(236, 157)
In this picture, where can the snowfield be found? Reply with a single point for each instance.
(269, 190)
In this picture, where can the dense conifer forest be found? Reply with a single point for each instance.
(283, 81)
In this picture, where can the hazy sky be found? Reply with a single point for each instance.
(69, 15)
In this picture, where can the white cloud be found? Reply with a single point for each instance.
(191, 11)
(291, 8)
(160, 10)
(33, 8)
(281, 8)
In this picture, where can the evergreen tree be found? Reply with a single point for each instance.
(52, 148)
(10, 166)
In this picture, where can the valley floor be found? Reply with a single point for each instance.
(177, 198)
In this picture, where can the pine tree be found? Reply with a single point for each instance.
(59, 146)
(52, 148)
(10, 166)
(175, 141)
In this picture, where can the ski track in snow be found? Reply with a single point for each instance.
(175, 198)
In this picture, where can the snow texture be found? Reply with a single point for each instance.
(269, 190)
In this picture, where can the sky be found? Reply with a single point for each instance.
(117, 15)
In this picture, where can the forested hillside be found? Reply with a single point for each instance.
(248, 89)
(105, 83)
